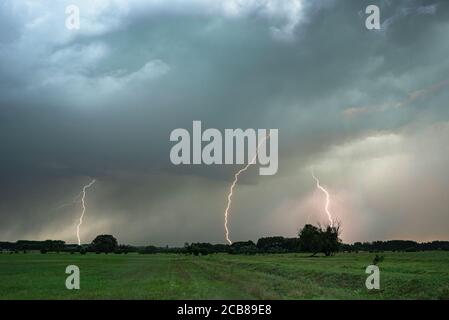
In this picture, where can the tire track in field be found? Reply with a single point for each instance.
(282, 280)
(217, 272)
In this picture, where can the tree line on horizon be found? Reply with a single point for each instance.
(311, 239)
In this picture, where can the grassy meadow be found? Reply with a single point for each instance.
(420, 275)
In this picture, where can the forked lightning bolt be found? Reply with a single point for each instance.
(73, 202)
(83, 203)
(234, 183)
(326, 206)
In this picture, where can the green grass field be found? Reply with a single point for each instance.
(423, 275)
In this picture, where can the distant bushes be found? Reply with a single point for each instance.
(396, 245)
(204, 248)
(277, 245)
(27, 245)
(243, 247)
(310, 239)
(148, 250)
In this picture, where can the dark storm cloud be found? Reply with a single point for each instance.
(101, 102)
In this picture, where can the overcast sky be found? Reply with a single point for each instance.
(368, 109)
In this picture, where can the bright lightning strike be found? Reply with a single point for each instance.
(234, 183)
(83, 203)
(326, 207)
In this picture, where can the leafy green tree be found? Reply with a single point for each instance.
(330, 241)
(309, 239)
(320, 240)
(104, 243)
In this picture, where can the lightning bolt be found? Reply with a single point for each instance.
(234, 183)
(83, 203)
(73, 202)
(326, 206)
